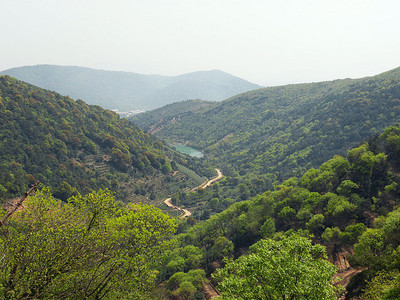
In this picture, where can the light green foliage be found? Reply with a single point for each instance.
(222, 248)
(313, 200)
(378, 252)
(193, 256)
(370, 247)
(338, 205)
(186, 290)
(391, 140)
(2, 190)
(186, 285)
(291, 268)
(85, 249)
(175, 265)
(391, 187)
(365, 166)
(381, 285)
(166, 168)
(379, 222)
(352, 233)
(346, 188)
(316, 222)
(268, 228)
(180, 259)
(331, 235)
(287, 213)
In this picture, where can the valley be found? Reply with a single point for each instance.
(196, 150)
(264, 137)
(296, 183)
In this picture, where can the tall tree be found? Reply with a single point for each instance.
(291, 268)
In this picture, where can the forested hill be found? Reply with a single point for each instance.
(66, 145)
(283, 130)
(131, 91)
(154, 120)
(348, 203)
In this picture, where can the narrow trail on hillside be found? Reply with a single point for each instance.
(208, 182)
(186, 213)
(210, 291)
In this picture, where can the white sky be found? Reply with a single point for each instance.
(266, 42)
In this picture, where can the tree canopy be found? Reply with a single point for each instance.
(84, 249)
(290, 268)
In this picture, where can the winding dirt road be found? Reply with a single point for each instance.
(208, 182)
(187, 213)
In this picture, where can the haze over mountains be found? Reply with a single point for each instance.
(127, 91)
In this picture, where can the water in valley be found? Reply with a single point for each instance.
(188, 150)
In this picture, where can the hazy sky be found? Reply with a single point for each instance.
(266, 42)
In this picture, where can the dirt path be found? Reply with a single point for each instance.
(210, 291)
(187, 213)
(209, 182)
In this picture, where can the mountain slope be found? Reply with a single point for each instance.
(336, 202)
(129, 91)
(67, 144)
(154, 120)
(283, 130)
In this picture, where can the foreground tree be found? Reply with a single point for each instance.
(291, 268)
(378, 254)
(85, 249)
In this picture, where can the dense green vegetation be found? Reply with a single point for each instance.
(285, 130)
(260, 138)
(72, 147)
(335, 203)
(263, 137)
(87, 248)
(259, 233)
(291, 268)
(156, 119)
(131, 91)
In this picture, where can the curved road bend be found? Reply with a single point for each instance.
(187, 213)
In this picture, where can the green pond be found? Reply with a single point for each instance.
(188, 150)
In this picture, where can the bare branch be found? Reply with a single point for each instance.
(19, 203)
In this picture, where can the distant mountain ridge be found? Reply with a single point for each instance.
(130, 91)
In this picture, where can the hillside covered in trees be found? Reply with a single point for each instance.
(349, 201)
(307, 230)
(131, 91)
(155, 120)
(284, 130)
(288, 242)
(74, 147)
